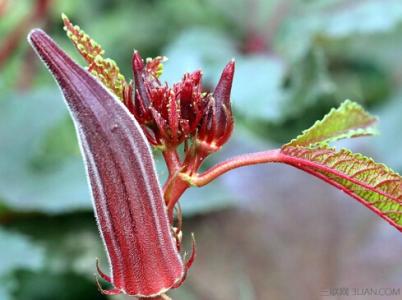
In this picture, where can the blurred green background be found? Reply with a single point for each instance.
(266, 232)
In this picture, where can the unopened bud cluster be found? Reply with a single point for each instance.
(182, 113)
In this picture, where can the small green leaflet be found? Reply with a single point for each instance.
(347, 121)
(374, 185)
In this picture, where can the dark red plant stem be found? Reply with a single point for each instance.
(310, 167)
(271, 156)
(173, 192)
(174, 186)
(235, 162)
(193, 162)
(172, 161)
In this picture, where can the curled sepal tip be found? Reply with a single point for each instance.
(127, 198)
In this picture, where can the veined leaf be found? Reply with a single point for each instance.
(347, 121)
(373, 184)
(105, 69)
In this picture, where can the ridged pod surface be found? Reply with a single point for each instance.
(127, 198)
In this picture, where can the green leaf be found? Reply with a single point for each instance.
(14, 250)
(41, 256)
(47, 285)
(374, 185)
(40, 165)
(17, 252)
(366, 17)
(73, 251)
(322, 20)
(347, 121)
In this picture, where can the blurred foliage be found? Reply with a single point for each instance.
(38, 152)
(295, 59)
(13, 252)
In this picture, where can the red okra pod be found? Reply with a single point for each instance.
(127, 197)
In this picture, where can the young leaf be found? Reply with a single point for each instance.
(105, 69)
(127, 197)
(374, 185)
(347, 121)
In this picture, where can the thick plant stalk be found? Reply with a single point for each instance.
(128, 202)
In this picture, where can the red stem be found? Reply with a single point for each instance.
(174, 186)
(310, 167)
(172, 161)
(173, 193)
(273, 156)
(236, 162)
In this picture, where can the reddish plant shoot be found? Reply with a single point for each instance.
(136, 215)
